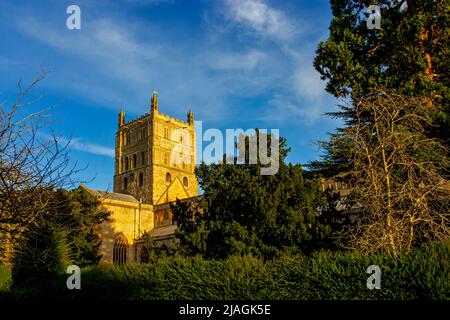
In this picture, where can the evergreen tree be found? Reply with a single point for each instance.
(64, 234)
(77, 213)
(409, 54)
(243, 212)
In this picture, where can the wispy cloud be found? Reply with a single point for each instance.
(262, 18)
(116, 63)
(236, 61)
(80, 145)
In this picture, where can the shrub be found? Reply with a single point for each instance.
(5, 278)
(43, 255)
(422, 274)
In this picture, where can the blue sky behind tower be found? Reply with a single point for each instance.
(236, 63)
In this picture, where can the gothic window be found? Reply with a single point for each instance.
(134, 161)
(120, 250)
(125, 183)
(185, 182)
(141, 179)
(166, 133)
(126, 163)
(168, 178)
(166, 159)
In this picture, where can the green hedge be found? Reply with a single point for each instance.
(5, 278)
(422, 274)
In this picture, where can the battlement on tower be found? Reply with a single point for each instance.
(155, 157)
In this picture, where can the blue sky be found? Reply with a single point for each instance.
(236, 63)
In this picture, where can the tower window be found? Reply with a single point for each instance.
(185, 182)
(120, 250)
(125, 183)
(134, 161)
(141, 179)
(168, 178)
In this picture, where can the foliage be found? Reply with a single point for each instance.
(243, 212)
(409, 54)
(44, 254)
(422, 274)
(78, 214)
(63, 235)
(156, 249)
(5, 278)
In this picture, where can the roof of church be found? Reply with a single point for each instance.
(110, 195)
(163, 232)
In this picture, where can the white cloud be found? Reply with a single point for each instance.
(262, 18)
(307, 83)
(116, 63)
(78, 144)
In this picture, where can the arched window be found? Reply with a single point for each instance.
(126, 163)
(145, 256)
(168, 178)
(185, 182)
(141, 179)
(120, 250)
(134, 161)
(125, 183)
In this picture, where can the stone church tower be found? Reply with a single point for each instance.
(155, 157)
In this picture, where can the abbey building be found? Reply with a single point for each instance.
(154, 165)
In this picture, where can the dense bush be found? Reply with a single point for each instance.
(423, 274)
(5, 278)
